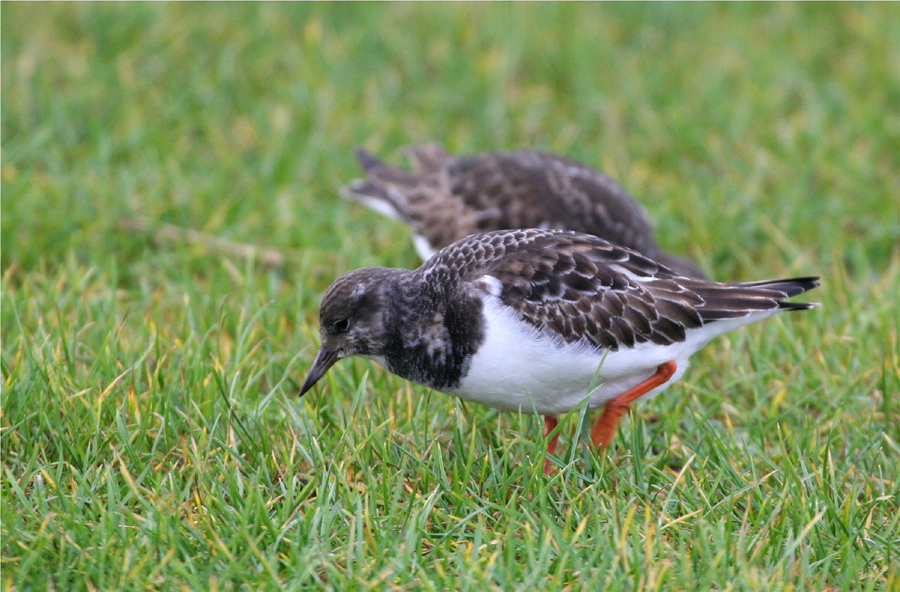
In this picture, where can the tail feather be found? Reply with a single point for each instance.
(367, 160)
(377, 191)
(738, 299)
(785, 305)
(379, 198)
(790, 287)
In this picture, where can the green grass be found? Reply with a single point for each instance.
(150, 434)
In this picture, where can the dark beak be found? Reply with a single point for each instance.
(324, 360)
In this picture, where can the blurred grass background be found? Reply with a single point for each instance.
(150, 434)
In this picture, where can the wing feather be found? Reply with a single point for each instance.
(580, 288)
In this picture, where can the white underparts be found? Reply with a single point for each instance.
(518, 368)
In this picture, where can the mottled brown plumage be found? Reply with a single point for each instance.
(578, 287)
(448, 197)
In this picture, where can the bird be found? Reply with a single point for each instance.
(538, 321)
(449, 197)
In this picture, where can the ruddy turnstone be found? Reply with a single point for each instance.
(528, 320)
(448, 198)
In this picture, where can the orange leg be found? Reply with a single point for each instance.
(550, 423)
(605, 428)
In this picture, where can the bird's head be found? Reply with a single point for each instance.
(351, 319)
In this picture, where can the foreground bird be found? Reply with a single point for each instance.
(448, 198)
(528, 320)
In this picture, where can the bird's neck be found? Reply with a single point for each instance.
(432, 335)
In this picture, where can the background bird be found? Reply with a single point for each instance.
(448, 197)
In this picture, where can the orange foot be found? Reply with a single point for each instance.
(605, 428)
(550, 423)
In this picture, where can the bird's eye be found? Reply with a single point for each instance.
(341, 325)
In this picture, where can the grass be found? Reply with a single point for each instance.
(150, 434)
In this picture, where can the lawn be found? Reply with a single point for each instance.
(171, 218)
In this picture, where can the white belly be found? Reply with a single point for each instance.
(519, 369)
